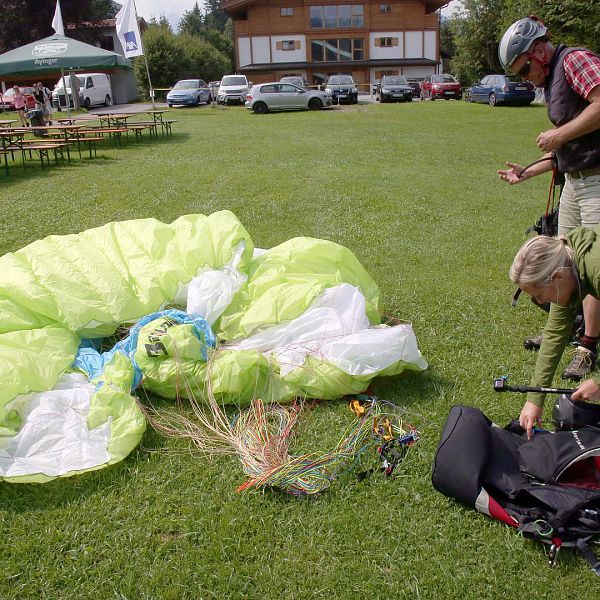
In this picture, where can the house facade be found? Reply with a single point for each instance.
(318, 38)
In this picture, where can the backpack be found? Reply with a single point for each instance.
(548, 488)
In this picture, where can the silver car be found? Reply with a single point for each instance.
(284, 96)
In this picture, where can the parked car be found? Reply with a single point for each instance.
(94, 90)
(284, 96)
(342, 89)
(501, 89)
(393, 88)
(440, 86)
(299, 81)
(233, 89)
(189, 91)
(416, 88)
(8, 101)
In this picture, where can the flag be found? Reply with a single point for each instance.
(128, 31)
(57, 22)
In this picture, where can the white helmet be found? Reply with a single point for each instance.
(518, 38)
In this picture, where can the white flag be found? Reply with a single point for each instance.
(57, 22)
(128, 30)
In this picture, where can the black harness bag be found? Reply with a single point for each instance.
(548, 488)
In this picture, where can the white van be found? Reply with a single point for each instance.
(94, 90)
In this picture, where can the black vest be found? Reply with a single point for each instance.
(563, 106)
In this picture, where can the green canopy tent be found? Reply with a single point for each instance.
(56, 54)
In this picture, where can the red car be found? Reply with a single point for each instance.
(442, 87)
(8, 102)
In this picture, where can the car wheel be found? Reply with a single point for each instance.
(468, 97)
(260, 108)
(210, 99)
(107, 101)
(314, 104)
(170, 106)
(409, 99)
(422, 97)
(87, 104)
(431, 97)
(492, 99)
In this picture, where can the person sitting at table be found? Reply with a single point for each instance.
(19, 98)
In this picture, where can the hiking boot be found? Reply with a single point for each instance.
(581, 365)
(533, 343)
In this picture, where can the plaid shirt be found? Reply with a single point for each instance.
(582, 71)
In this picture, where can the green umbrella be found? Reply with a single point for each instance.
(56, 54)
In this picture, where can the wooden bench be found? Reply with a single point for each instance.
(166, 125)
(44, 148)
(113, 132)
(139, 127)
(90, 141)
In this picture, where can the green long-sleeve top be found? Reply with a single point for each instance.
(557, 332)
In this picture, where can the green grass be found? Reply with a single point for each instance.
(412, 190)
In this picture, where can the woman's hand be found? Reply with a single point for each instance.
(512, 175)
(530, 416)
(588, 390)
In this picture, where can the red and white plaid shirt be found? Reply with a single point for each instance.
(582, 70)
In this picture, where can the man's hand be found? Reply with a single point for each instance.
(530, 416)
(588, 390)
(549, 140)
(512, 175)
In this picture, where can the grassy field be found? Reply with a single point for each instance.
(412, 190)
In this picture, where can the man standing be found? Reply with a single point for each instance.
(571, 81)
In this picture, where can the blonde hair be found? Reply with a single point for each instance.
(539, 258)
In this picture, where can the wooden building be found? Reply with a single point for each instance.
(315, 39)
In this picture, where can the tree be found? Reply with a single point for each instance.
(192, 21)
(38, 18)
(478, 28)
(214, 16)
(172, 57)
(475, 34)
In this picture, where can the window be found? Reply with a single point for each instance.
(268, 89)
(385, 8)
(385, 42)
(337, 16)
(345, 49)
(287, 11)
(288, 45)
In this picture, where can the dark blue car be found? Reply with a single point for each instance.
(501, 89)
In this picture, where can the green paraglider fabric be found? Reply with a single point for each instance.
(61, 290)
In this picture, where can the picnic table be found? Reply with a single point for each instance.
(7, 122)
(114, 119)
(158, 119)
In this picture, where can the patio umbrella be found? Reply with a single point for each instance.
(57, 54)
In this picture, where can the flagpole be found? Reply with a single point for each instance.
(146, 62)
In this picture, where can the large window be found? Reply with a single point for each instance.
(337, 50)
(339, 16)
(287, 11)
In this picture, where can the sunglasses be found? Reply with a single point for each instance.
(524, 70)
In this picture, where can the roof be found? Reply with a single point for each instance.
(388, 62)
(232, 7)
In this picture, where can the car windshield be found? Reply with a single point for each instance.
(394, 81)
(341, 79)
(233, 80)
(443, 79)
(9, 93)
(187, 84)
